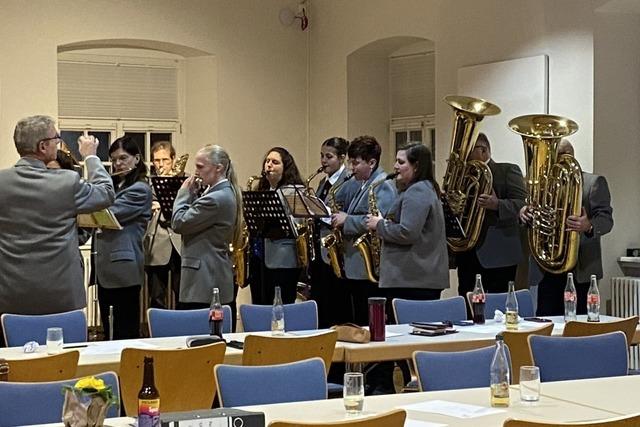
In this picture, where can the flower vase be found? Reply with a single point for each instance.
(83, 411)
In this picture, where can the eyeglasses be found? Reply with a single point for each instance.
(51, 139)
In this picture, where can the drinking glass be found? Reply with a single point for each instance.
(54, 340)
(353, 393)
(529, 383)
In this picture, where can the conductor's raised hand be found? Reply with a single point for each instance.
(87, 145)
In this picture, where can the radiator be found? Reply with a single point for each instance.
(625, 302)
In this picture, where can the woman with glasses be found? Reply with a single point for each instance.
(208, 222)
(119, 266)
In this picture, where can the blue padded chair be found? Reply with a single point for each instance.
(495, 302)
(40, 403)
(301, 316)
(454, 369)
(573, 358)
(261, 385)
(19, 329)
(407, 311)
(176, 323)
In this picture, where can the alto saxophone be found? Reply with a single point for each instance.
(332, 242)
(304, 241)
(240, 252)
(369, 244)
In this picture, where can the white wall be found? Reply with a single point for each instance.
(261, 65)
(617, 130)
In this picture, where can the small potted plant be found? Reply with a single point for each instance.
(86, 403)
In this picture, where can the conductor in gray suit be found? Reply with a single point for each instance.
(208, 223)
(595, 221)
(42, 270)
(364, 157)
(119, 267)
(498, 251)
(414, 260)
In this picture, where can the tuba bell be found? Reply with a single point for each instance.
(554, 187)
(368, 244)
(465, 180)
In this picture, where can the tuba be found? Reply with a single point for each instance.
(304, 241)
(240, 250)
(466, 179)
(554, 187)
(332, 242)
(369, 244)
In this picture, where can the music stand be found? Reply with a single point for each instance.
(166, 189)
(266, 216)
(453, 227)
(301, 204)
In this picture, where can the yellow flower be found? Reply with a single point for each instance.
(90, 383)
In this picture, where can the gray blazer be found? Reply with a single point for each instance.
(324, 228)
(120, 258)
(356, 203)
(207, 225)
(414, 246)
(499, 244)
(596, 201)
(42, 270)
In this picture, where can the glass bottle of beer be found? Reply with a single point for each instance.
(148, 398)
(478, 301)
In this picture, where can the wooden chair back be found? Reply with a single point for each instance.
(56, 367)
(184, 377)
(269, 350)
(580, 329)
(624, 421)
(393, 418)
(518, 343)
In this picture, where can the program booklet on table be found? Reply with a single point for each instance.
(221, 417)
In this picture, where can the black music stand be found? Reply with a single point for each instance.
(266, 216)
(166, 189)
(453, 228)
(301, 204)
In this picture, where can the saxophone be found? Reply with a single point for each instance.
(304, 241)
(332, 242)
(465, 180)
(369, 244)
(240, 252)
(554, 186)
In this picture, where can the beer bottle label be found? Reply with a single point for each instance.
(148, 412)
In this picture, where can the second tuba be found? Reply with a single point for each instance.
(466, 179)
(554, 187)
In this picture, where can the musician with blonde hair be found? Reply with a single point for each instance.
(208, 222)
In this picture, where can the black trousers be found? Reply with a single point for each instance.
(551, 295)
(361, 291)
(331, 295)
(158, 276)
(494, 280)
(126, 311)
(264, 281)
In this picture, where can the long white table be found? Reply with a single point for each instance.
(566, 401)
(101, 356)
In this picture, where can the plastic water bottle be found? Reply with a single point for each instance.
(593, 301)
(500, 375)
(216, 315)
(570, 299)
(478, 299)
(277, 314)
(511, 308)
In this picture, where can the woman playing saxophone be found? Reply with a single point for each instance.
(413, 262)
(334, 305)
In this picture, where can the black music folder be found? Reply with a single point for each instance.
(166, 189)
